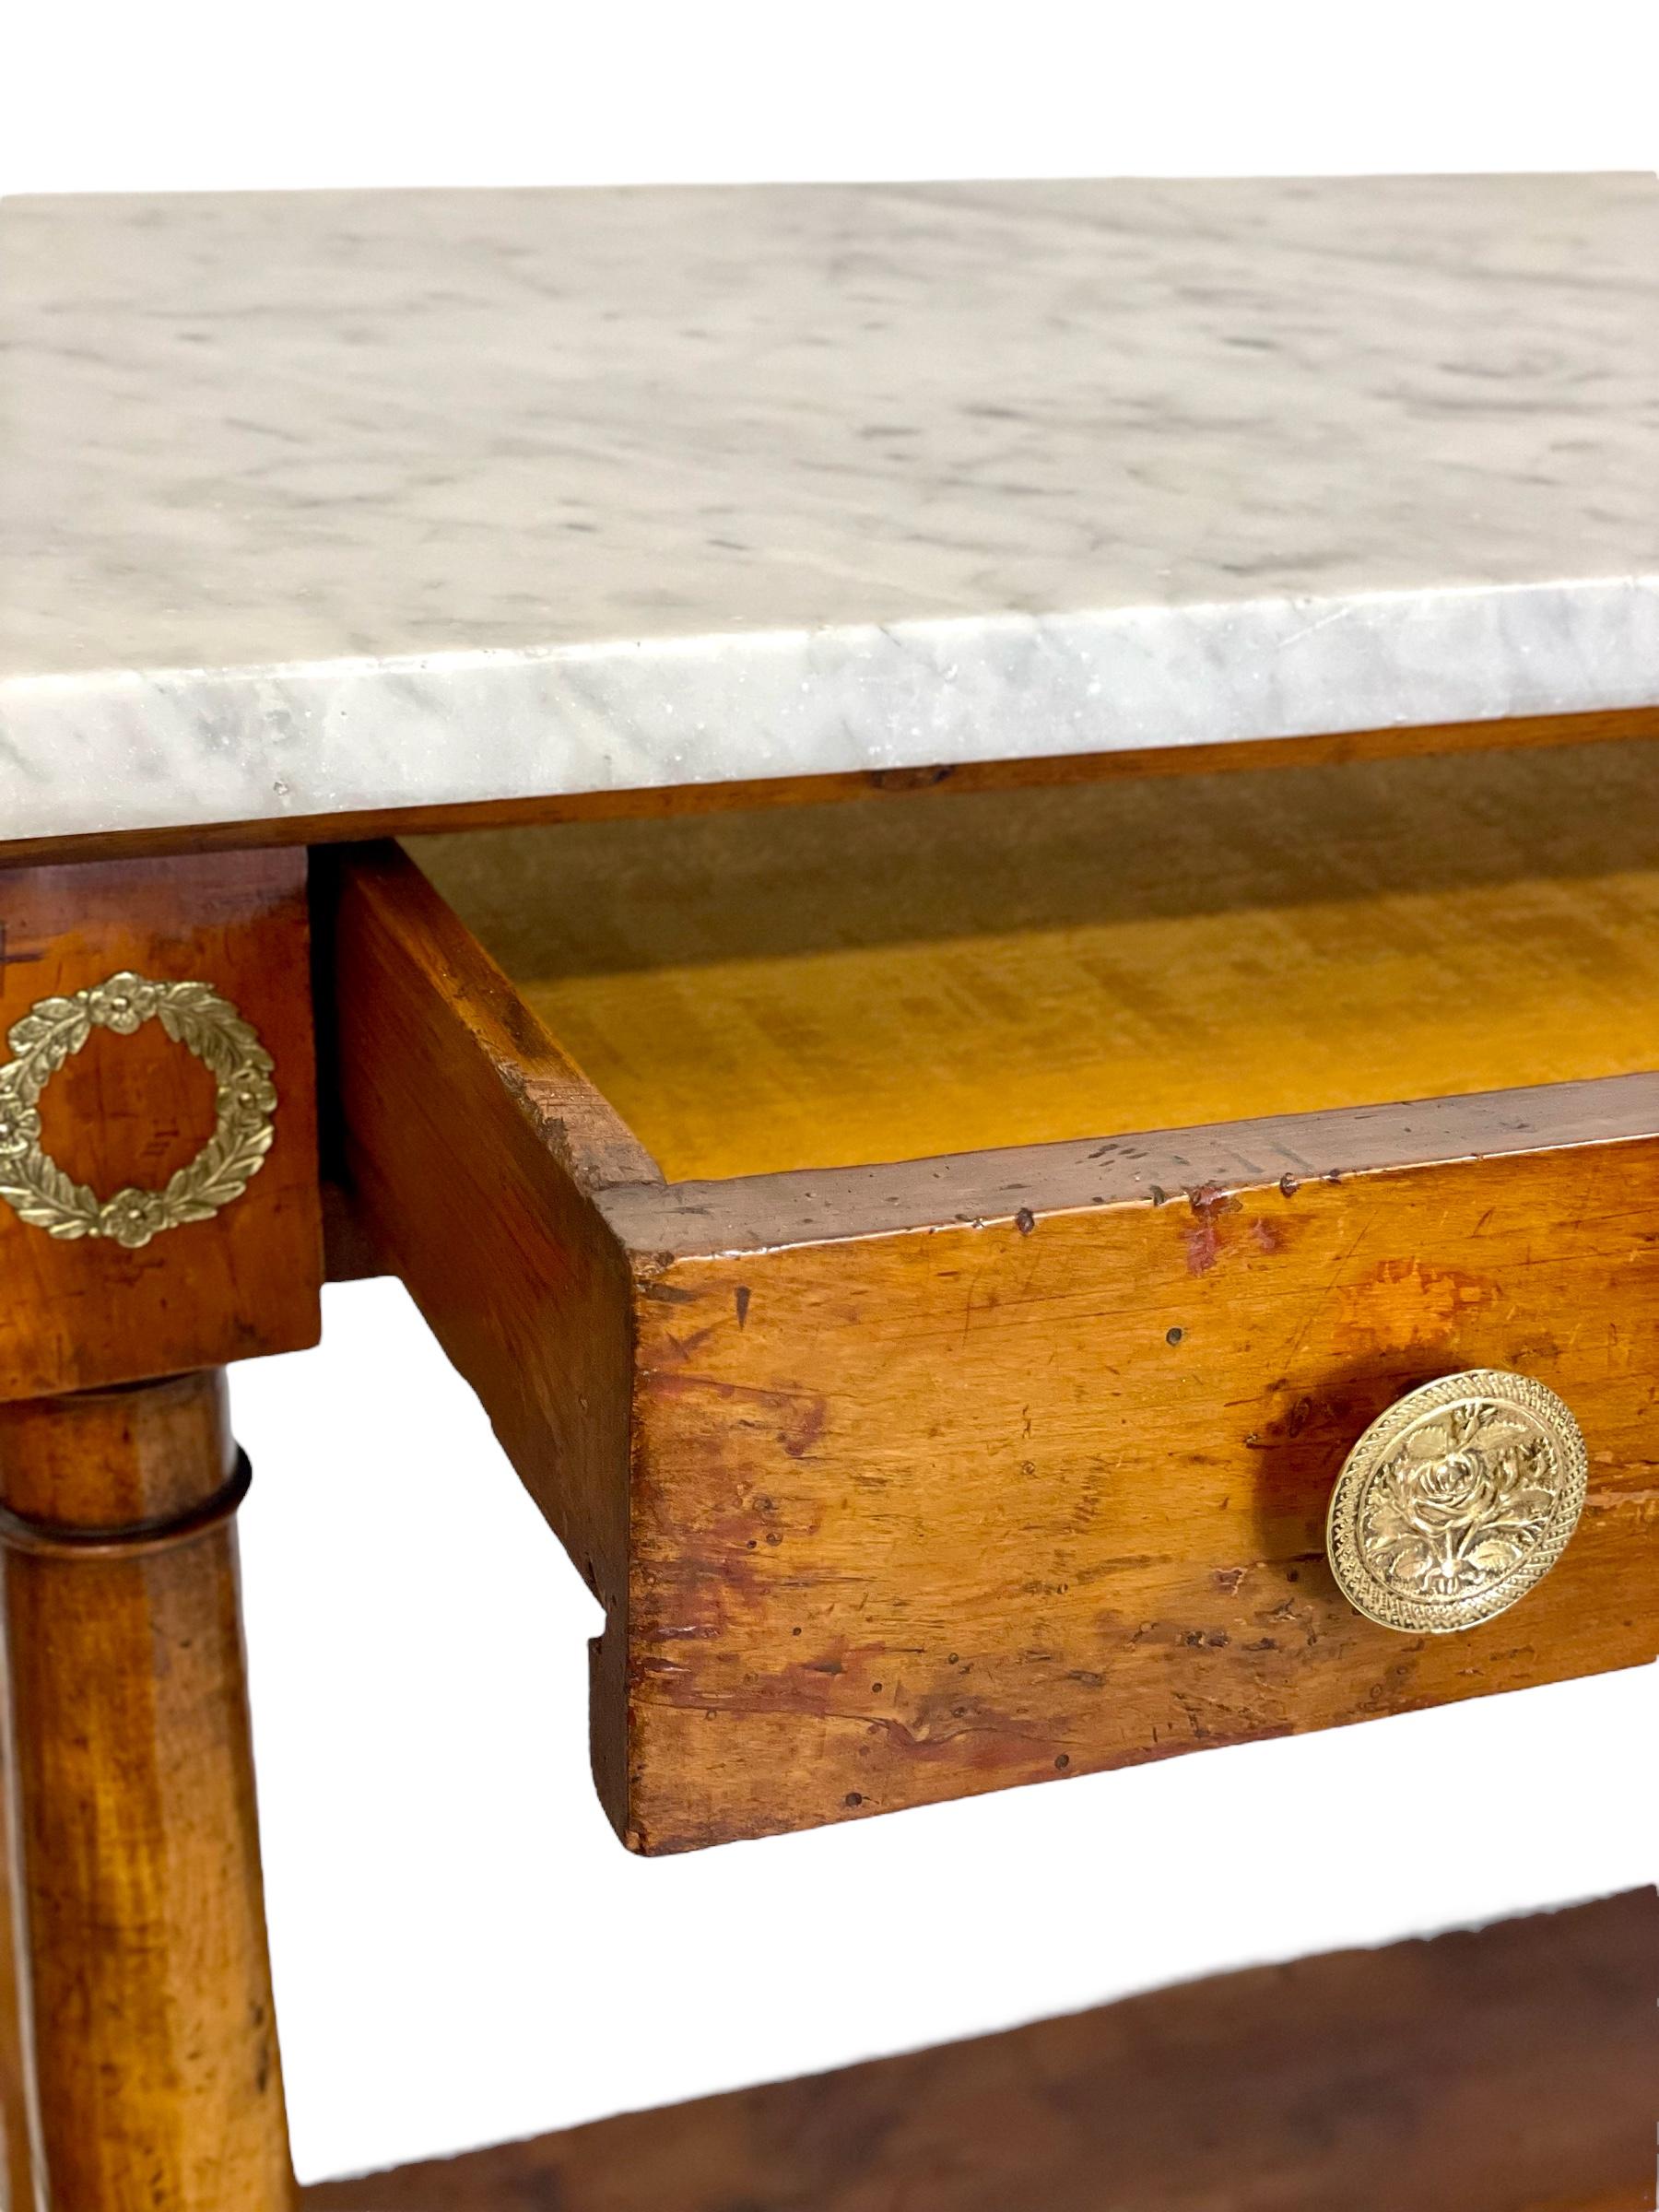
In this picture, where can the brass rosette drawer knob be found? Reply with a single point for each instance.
(1456, 1501)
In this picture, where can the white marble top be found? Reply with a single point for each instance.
(332, 501)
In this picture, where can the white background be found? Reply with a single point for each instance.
(463, 1952)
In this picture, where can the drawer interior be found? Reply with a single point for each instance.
(835, 985)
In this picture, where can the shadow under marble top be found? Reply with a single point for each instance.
(329, 501)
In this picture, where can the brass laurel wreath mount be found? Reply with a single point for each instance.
(192, 1015)
(1456, 1501)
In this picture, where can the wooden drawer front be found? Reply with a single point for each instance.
(903, 1482)
(935, 1512)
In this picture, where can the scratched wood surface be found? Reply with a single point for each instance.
(904, 1482)
(1511, 2069)
(1031, 1485)
(1013, 1500)
(473, 1149)
(132, 1110)
(825, 986)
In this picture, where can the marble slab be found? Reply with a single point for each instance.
(324, 502)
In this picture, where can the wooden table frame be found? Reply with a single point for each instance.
(149, 2072)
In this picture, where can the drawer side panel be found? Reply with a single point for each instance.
(470, 1145)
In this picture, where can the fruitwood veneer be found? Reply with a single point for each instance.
(906, 1478)
(131, 1110)
(147, 2071)
(1511, 2069)
(148, 2011)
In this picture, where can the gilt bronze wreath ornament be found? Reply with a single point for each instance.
(192, 1015)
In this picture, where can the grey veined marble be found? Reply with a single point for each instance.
(333, 501)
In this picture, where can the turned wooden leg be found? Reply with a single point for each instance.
(16, 2178)
(157, 2083)
(159, 1216)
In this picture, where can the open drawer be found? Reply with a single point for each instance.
(923, 1432)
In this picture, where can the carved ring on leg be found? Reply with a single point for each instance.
(49, 1540)
(192, 1015)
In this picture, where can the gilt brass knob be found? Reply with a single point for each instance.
(1456, 1501)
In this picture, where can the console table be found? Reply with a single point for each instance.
(967, 879)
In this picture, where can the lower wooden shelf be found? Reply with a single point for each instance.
(1514, 2068)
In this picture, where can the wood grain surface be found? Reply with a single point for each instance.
(133, 1110)
(904, 1482)
(15, 2167)
(154, 2045)
(826, 987)
(1511, 2069)
(474, 1150)
(1009, 1500)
